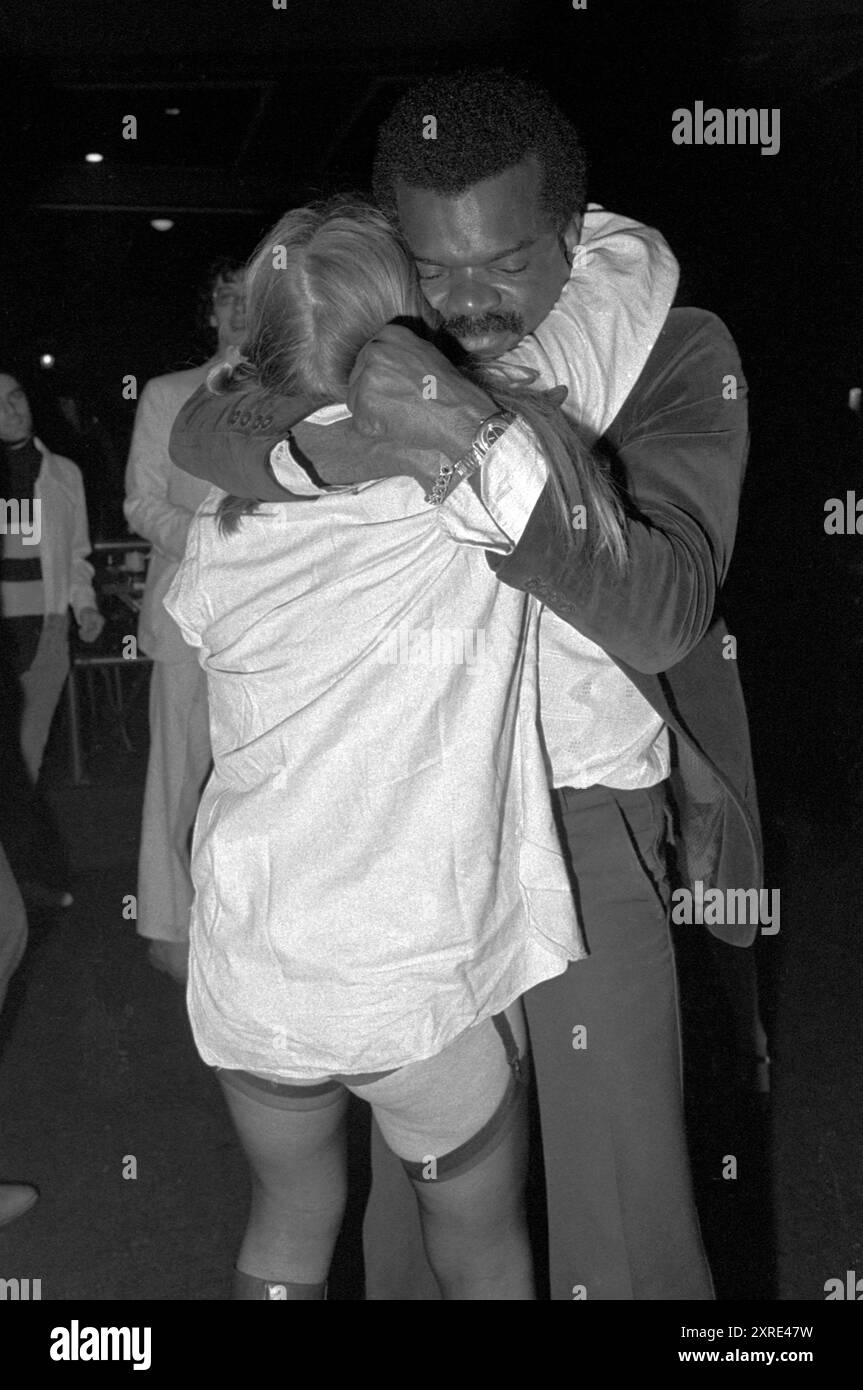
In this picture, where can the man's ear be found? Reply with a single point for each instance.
(571, 235)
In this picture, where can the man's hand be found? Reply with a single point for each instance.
(403, 391)
(90, 624)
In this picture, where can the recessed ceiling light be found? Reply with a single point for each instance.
(46, 359)
(94, 158)
(161, 224)
(172, 110)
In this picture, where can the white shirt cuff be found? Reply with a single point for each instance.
(291, 474)
(513, 474)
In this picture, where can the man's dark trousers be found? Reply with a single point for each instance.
(605, 1039)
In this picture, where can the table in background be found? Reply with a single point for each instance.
(120, 572)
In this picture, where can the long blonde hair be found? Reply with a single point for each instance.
(322, 283)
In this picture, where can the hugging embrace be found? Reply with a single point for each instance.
(478, 407)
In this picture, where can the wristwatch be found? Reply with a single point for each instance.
(488, 433)
(451, 474)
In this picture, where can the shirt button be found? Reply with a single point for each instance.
(267, 420)
(245, 417)
(234, 416)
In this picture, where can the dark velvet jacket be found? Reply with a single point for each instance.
(678, 446)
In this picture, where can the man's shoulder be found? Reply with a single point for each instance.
(178, 385)
(687, 329)
(694, 366)
(57, 466)
(692, 343)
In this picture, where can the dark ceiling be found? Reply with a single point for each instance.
(240, 110)
(274, 103)
(270, 103)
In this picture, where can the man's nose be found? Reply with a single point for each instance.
(470, 296)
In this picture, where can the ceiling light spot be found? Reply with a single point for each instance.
(94, 158)
(161, 224)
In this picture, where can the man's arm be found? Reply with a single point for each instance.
(227, 439)
(680, 443)
(410, 407)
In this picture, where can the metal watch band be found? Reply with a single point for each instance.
(489, 431)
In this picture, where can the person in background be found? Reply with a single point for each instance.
(43, 573)
(160, 503)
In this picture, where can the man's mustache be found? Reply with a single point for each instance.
(464, 327)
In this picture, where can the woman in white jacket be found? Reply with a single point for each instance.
(378, 876)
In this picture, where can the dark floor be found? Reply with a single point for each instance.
(97, 1069)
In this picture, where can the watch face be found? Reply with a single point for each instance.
(492, 431)
(488, 434)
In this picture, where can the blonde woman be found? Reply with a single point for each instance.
(378, 877)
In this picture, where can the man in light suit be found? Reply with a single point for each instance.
(160, 503)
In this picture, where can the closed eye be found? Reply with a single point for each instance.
(497, 269)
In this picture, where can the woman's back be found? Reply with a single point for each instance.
(378, 807)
